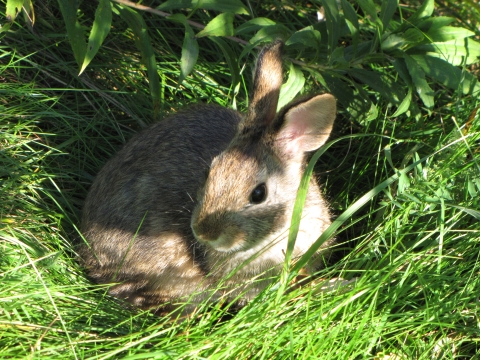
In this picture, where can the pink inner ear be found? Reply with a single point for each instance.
(308, 125)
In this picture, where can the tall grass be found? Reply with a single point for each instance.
(411, 253)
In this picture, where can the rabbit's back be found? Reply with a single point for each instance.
(137, 214)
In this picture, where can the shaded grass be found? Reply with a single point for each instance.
(413, 250)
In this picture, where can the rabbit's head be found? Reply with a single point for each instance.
(248, 197)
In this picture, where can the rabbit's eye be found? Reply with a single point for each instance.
(259, 194)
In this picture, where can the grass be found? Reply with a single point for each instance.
(412, 251)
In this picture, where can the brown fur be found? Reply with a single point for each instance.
(170, 214)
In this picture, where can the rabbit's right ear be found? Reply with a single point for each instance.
(305, 125)
(266, 87)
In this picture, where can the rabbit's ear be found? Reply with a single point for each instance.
(306, 125)
(266, 86)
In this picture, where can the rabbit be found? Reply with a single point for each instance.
(205, 197)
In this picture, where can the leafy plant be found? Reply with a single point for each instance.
(419, 47)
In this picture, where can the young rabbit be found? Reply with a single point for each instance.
(206, 197)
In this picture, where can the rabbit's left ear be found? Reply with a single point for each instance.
(266, 86)
(306, 125)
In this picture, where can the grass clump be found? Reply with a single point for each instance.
(410, 254)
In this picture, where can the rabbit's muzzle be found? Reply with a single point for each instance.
(212, 231)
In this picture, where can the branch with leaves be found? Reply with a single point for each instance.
(339, 51)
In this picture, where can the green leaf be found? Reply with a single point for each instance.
(232, 6)
(402, 41)
(471, 189)
(456, 52)
(292, 87)
(418, 77)
(75, 32)
(179, 18)
(100, 29)
(339, 88)
(253, 25)
(401, 69)
(269, 34)
(383, 84)
(403, 183)
(472, 212)
(28, 13)
(13, 9)
(144, 44)
(388, 9)
(351, 20)
(189, 53)
(447, 33)
(221, 25)
(447, 74)
(332, 19)
(434, 23)
(308, 37)
(404, 105)
(178, 4)
(230, 57)
(368, 7)
(425, 10)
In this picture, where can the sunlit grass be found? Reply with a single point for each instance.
(411, 253)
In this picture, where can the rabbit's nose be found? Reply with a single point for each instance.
(204, 233)
(208, 227)
(202, 237)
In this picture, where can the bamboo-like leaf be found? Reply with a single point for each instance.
(144, 44)
(12, 10)
(100, 29)
(425, 10)
(409, 38)
(368, 7)
(388, 9)
(29, 12)
(447, 74)
(189, 53)
(383, 84)
(253, 25)
(340, 89)
(418, 77)
(402, 70)
(448, 33)
(269, 34)
(456, 52)
(232, 6)
(404, 105)
(292, 87)
(433, 23)
(178, 4)
(221, 25)
(308, 37)
(351, 20)
(332, 19)
(230, 58)
(75, 32)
